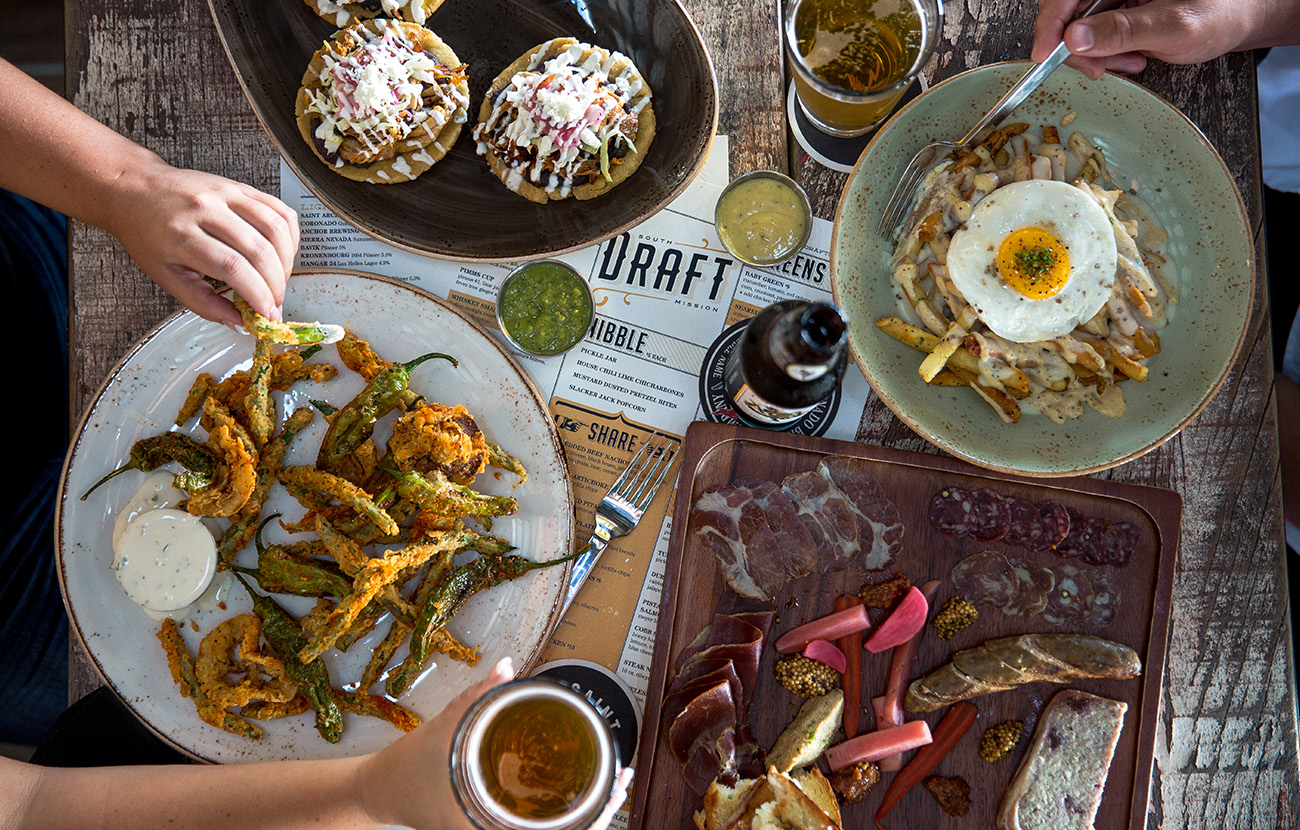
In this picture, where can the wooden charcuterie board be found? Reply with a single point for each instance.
(694, 589)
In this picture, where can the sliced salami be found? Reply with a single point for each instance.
(1036, 584)
(952, 511)
(1105, 599)
(1026, 524)
(1056, 526)
(1086, 540)
(986, 578)
(1119, 544)
(992, 516)
(1071, 599)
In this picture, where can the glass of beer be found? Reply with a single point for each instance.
(853, 59)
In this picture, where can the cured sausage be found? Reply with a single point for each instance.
(1026, 527)
(1056, 525)
(1071, 598)
(986, 578)
(992, 516)
(952, 511)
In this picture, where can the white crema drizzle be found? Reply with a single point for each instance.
(559, 111)
(374, 92)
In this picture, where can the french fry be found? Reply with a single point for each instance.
(937, 359)
(999, 137)
(949, 377)
(1147, 344)
(1130, 368)
(1005, 405)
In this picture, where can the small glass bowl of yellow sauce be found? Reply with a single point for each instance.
(544, 308)
(763, 217)
(533, 755)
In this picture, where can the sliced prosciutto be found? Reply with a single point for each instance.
(706, 704)
(828, 517)
(703, 737)
(853, 477)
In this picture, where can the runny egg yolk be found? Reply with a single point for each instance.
(1033, 262)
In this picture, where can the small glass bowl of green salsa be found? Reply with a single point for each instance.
(544, 308)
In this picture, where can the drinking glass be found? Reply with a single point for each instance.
(896, 37)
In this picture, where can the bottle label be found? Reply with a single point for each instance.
(758, 409)
(807, 372)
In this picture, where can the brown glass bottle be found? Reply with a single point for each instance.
(789, 359)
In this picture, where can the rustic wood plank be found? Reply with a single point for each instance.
(149, 99)
(743, 37)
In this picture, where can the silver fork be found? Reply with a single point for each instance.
(624, 505)
(928, 156)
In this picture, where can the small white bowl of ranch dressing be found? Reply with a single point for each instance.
(164, 558)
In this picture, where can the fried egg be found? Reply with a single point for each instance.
(1036, 259)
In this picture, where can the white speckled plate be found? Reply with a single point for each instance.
(1179, 175)
(142, 396)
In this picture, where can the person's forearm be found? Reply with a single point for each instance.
(61, 157)
(291, 794)
(1275, 23)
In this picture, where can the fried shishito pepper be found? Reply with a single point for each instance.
(479, 574)
(355, 423)
(148, 454)
(286, 640)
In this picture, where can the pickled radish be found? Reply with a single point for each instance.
(876, 745)
(903, 624)
(829, 627)
(828, 653)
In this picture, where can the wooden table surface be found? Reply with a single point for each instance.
(1226, 749)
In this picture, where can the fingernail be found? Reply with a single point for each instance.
(277, 314)
(1081, 39)
(505, 667)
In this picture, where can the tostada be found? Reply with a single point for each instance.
(343, 12)
(566, 119)
(382, 101)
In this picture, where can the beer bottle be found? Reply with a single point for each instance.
(789, 358)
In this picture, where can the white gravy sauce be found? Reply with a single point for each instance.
(164, 558)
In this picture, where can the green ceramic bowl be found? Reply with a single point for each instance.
(1183, 180)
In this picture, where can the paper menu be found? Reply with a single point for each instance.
(669, 302)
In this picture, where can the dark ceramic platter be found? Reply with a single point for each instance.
(459, 209)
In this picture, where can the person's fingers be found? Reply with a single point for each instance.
(196, 295)
(1129, 63)
(504, 670)
(1092, 67)
(1049, 27)
(1152, 28)
(253, 248)
(616, 799)
(214, 258)
(272, 227)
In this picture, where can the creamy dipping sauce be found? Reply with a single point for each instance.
(762, 220)
(164, 558)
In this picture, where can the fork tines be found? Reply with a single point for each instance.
(646, 472)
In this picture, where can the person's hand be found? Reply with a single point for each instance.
(182, 225)
(409, 781)
(1174, 31)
